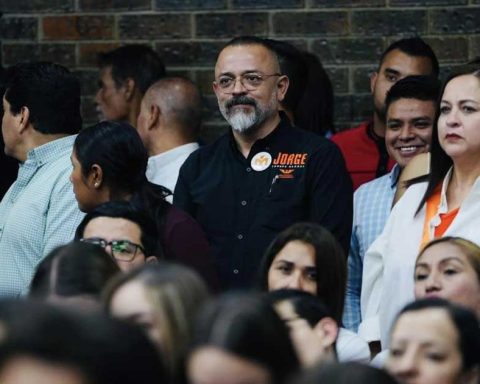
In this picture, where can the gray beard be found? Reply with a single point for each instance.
(242, 122)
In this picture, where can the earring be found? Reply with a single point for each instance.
(96, 184)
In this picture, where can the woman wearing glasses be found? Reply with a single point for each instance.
(109, 163)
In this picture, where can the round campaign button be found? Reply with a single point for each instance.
(261, 161)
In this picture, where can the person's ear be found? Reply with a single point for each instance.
(327, 331)
(282, 87)
(95, 176)
(129, 87)
(151, 260)
(23, 119)
(154, 116)
(373, 81)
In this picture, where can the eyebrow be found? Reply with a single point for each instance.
(392, 71)
(443, 261)
(241, 74)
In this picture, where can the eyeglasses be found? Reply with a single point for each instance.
(121, 250)
(250, 81)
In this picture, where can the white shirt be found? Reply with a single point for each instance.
(351, 347)
(163, 169)
(388, 270)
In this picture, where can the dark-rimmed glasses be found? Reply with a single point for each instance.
(121, 250)
(250, 81)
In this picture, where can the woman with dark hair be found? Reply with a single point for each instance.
(447, 204)
(449, 268)
(73, 275)
(307, 257)
(163, 299)
(109, 163)
(435, 342)
(240, 339)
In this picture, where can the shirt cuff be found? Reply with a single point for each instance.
(369, 329)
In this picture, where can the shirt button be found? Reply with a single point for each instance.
(244, 202)
(240, 237)
(249, 169)
(235, 271)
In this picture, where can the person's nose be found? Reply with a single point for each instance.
(98, 96)
(452, 119)
(295, 281)
(406, 367)
(238, 87)
(406, 133)
(433, 283)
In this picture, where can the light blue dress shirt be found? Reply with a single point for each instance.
(372, 203)
(38, 213)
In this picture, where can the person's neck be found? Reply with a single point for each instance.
(378, 126)
(134, 111)
(465, 173)
(167, 142)
(246, 141)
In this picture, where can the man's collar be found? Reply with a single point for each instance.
(51, 150)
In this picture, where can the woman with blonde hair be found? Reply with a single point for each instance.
(163, 299)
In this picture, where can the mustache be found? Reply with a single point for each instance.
(236, 100)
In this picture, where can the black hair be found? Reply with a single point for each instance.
(464, 321)
(293, 65)
(315, 108)
(418, 87)
(49, 91)
(344, 373)
(138, 62)
(251, 40)
(73, 269)
(440, 162)
(247, 326)
(416, 47)
(306, 305)
(103, 350)
(330, 263)
(125, 210)
(118, 149)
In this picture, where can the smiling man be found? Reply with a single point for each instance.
(410, 114)
(363, 147)
(264, 174)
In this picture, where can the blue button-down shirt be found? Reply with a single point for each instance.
(38, 213)
(372, 205)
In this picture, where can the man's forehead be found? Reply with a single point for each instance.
(246, 58)
(408, 107)
(405, 64)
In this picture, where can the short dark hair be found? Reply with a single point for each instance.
(330, 263)
(251, 40)
(306, 305)
(118, 149)
(139, 62)
(425, 88)
(416, 47)
(247, 326)
(124, 210)
(49, 91)
(73, 269)
(464, 321)
(292, 64)
(344, 373)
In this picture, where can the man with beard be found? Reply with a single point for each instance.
(363, 147)
(264, 174)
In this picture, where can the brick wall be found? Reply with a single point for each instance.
(348, 36)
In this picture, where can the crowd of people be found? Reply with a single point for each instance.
(283, 252)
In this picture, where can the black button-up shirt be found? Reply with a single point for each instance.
(241, 209)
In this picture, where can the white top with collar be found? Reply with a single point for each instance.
(163, 169)
(388, 269)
